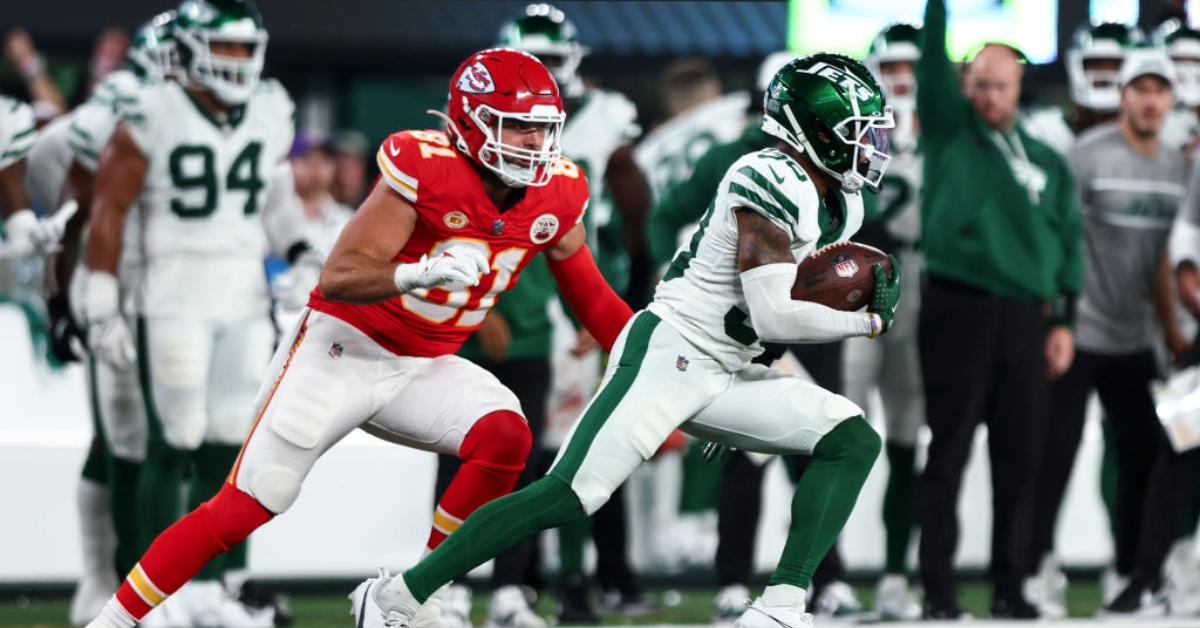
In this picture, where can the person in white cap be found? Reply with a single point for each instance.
(1130, 186)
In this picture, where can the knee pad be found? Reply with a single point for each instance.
(275, 486)
(231, 515)
(500, 440)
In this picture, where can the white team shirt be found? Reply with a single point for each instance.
(604, 122)
(701, 293)
(1180, 128)
(668, 153)
(200, 209)
(17, 131)
(899, 197)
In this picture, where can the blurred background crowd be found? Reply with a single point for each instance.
(1042, 199)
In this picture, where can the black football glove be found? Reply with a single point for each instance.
(64, 332)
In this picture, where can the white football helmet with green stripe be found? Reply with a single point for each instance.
(153, 52)
(202, 24)
(545, 32)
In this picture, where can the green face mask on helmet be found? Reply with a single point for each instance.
(153, 50)
(829, 107)
(199, 25)
(545, 32)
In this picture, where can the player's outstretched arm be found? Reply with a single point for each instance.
(591, 299)
(768, 271)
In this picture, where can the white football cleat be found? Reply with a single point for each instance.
(510, 609)
(730, 603)
(759, 615)
(90, 597)
(171, 613)
(893, 600)
(1047, 589)
(402, 611)
(455, 601)
(211, 606)
(1111, 584)
(838, 600)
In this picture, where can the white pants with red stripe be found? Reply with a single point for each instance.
(328, 378)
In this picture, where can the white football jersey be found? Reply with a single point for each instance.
(201, 233)
(667, 154)
(1049, 125)
(1180, 128)
(899, 197)
(47, 164)
(17, 131)
(701, 292)
(603, 122)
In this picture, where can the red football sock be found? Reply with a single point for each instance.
(493, 455)
(183, 549)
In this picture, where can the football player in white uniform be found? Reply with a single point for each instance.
(1094, 57)
(684, 362)
(601, 126)
(24, 232)
(1182, 44)
(890, 365)
(192, 163)
(62, 166)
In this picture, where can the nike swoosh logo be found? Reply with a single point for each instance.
(778, 179)
(392, 148)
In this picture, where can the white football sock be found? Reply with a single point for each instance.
(98, 539)
(784, 595)
(113, 616)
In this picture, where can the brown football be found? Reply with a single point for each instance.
(840, 276)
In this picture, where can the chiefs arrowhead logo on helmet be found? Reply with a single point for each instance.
(476, 80)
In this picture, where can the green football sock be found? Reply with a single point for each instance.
(159, 491)
(700, 479)
(898, 505)
(211, 465)
(122, 500)
(493, 528)
(572, 539)
(825, 497)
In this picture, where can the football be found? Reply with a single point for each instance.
(840, 276)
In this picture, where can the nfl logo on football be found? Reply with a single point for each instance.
(845, 266)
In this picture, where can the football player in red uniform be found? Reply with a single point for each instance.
(455, 218)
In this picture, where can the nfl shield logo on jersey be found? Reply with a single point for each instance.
(845, 266)
(681, 363)
(543, 228)
(476, 80)
(335, 350)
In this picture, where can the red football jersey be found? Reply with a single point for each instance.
(453, 209)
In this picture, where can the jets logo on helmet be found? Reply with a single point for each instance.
(153, 52)
(499, 87)
(546, 33)
(828, 107)
(1094, 82)
(200, 24)
(476, 80)
(1183, 46)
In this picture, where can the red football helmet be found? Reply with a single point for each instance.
(502, 85)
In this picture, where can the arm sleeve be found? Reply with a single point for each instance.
(1184, 243)
(17, 131)
(940, 101)
(589, 297)
(397, 165)
(776, 317)
(683, 204)
(1070, 277)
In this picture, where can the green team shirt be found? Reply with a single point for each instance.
(998, 212)
(683, 203)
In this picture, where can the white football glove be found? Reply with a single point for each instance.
(108, 334)
(30, 235)
(457, 264)
(292, 287)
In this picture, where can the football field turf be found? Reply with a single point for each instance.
(689, 606)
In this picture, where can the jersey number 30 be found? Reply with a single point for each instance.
(193, 168)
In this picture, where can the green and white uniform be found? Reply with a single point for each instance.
(17, 131)
(204, 332)
(685, 360)
(668, 153)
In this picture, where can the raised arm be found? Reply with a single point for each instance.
(768, 271)
(941, 105)
(586, 293)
